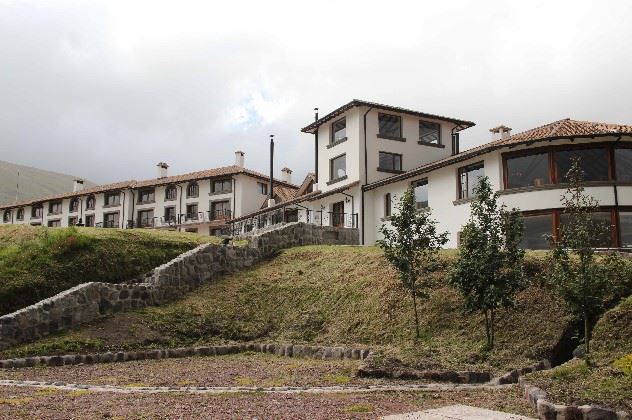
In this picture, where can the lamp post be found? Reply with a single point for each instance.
(271, 199)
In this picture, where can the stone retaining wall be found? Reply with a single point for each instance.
(89, 301)
(286, 350)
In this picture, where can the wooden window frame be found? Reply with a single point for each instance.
(168, 189)
(222, 191)
(400, 137)
(150, 191)
(388, 170)
(332, 140)
(387, 205)
(439, 142)
(471, 166)
(191, 185)
(94, 202)
(19, 215)
(112, 194)
(331, 168)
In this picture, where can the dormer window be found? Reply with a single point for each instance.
(74, 205)
(91, 202)
(193, 190)
(171, 193)
(429, 132)
(339, 131)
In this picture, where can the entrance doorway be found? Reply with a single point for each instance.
(338, 214)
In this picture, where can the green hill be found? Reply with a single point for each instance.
(39, 262)
(334, 295)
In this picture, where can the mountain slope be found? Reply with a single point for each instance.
(34, 182)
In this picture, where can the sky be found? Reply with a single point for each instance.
(108, 89)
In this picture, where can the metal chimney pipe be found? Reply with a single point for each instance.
(316, 146)
(271, 166)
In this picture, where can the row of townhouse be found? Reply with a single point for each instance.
(368, 154)
(201, 202)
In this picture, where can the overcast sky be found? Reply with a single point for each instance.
(107, 89)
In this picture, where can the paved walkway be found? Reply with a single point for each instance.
(225, 389)
(457, 412)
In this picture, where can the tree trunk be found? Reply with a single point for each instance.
(586, 333)
(492, 330)
(487, 327)
(416, 314)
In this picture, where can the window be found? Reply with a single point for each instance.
(6, 218)
(91, 202)
(20, 215)
(420, 188)
(145, 218)
(111, 220)
(54, 223)
(54, 207)
(193, 190)
(390, 125)
(429, 132)
(112, 199)
(339, 131)
(625, 225)
(192, 212)
(537, 229)
(338, 167)
(262, 188)
(387, 205)
(146, 196)
(90, 220)
(220, 210)
(171, 193)
(602, 217)
(37, 211)
(527, 171)
(215, 232)
(468, 179)
(170, 214)
(72, 220)
(222, 186)
(623, 164)
(593, 162)
(74, 205)
(391, 162)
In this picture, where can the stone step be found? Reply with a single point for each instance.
(457, 412)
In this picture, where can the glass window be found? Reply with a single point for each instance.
(54, 223)
(74, 205)
(528, 171)
(193, 190)
(262, 188)
(387, 205)
(603, 217)
(537, 229)
(390, 161)
(37, 211)
(420, 188)
(20, 215)
(625, 225)
(7, 216)
(113, 199)
(54, 207)
(192, 212)
(171, 192)
(390, 125)
(170, 214)
(146, 196)
(338, 167)
(468, 179)
(339, 130)
(110, 220)
(220, 210)
(146, 218)
(90, 202)
(623, 164)
(429, 132)
(594, 163)
(72, 220)
(90, 220)
(222, 186)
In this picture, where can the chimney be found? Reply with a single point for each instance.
(287, 175)
(77, 185)
(162, 169)
(239, 158)
(501, 132)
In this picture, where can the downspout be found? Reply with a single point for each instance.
(316, 146)
(366, 171)
(133, 206)
(123, 213)
(234, 204)
(180, 210)
(455, 140)
(616, 203)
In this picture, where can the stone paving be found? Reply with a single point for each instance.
(457, 412)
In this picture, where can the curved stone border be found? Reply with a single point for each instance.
(459, 377)
(513, 376)
(287, 350)
(224, 389)
(546, 410)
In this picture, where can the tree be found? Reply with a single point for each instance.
(411, 244)
(580, 279)
(488, 272)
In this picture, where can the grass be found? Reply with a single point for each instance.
(39, 262)
(335, 295)
(607, 379)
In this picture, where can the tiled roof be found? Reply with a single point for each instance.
(358, 102)
(309, 178)
(561, 129)
(94, 190)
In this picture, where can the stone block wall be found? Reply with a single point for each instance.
(89, 301)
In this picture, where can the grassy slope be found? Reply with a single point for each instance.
(345, 295)
(36, 262)
(608, 379)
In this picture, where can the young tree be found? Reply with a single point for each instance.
(580, 279)
(488, 272)
(411, 244)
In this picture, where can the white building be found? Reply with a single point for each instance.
(367, 154)
(202, 201)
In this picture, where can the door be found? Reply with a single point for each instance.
(338, 214)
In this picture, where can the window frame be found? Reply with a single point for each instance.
(92, 198)
(143, 212)
(34, 208)
(169, 188)
(19, 215)
(332, 140)
(112, 213)
(6, 213)
(213, 209)
(388, 205)
(333, 180)
(116, 194)
(460, 171)
(58, 204)
(389, 170)
(399, 137)
(196, 214)
(193, 185)
(228, 181)
(416, 183)
(439, 142)
(74, 201)
(265, 188)
(87, 222)
(150, 192)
